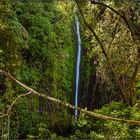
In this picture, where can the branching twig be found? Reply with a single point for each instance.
(3, 115)
(113, 37)
(9, 109)
(8, 112)
(22, 95)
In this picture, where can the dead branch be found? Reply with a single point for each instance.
(92, 114)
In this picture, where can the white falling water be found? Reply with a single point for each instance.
(77, 64)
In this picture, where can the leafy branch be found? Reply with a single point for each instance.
(105, 54)
(133, 35)
(136, 69)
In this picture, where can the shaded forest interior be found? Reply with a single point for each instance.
(38, 47)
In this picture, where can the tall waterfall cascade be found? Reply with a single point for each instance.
(77, 64)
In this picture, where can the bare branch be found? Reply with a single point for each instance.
(92, 114)
(9, 109)
(2, 115)
(22, 95)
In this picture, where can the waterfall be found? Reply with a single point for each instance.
(77, 64)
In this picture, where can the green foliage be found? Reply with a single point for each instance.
(37, 46)
(42, 132)
(100, 129)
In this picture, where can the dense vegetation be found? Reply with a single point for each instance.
(38, 46)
